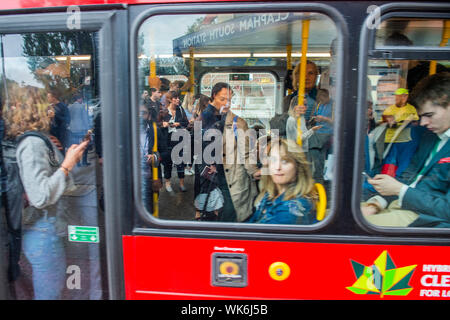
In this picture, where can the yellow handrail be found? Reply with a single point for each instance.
(322, 202)
(445, 37)
(301, 85)
(191, 71)
(155, 172)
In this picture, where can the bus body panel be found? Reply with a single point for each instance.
(26, 4)
(183, 270)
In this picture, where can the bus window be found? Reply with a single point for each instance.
(413, 32)
(232, 141)
(406, 182)
(49, 87)
(254, 97)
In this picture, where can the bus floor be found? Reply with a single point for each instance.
(177, 205)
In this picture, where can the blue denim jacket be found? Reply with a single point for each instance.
(295, 211)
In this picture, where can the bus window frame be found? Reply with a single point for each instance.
(367, 51)
(224, 8)
(409, 52)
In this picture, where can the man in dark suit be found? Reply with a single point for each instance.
(423, 190)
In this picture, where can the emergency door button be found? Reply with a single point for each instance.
(229, 270)
(279, 271)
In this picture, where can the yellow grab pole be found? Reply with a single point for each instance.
(301, 85)
(155, 172)
(191, 69)
(289, 60)
(152, 66)
(445, 37)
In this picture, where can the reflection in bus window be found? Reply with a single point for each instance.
(412, 32)
(406, 181)
(240, 88)
(49, 87)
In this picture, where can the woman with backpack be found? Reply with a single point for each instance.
(46, 179)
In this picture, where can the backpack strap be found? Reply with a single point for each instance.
(47, 141)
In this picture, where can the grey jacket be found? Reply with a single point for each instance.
(43, 183)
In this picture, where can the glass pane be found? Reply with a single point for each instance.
(404, 120)
(413, 32)
(213, 125)
(54, 198)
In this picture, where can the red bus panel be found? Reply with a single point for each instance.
(181, 268)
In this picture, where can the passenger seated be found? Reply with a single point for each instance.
(422, 193)
(287, 191)
(395, 141)
(320, 143)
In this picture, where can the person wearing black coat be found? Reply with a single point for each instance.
(173, 118)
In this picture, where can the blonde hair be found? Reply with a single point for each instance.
(303, 185)
(188, 102)
(296, 74)
(27, 115)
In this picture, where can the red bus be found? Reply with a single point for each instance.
(138, 232)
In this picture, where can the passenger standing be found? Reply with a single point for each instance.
(175, 119)
(310, 88)
(236, 179)
(80, 123)
(46, 180)
(320, 143)
(149, 158)
(60, 115)
(154, 100)
(188, 108)
(164, 88)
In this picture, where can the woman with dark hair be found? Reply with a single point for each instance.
(234, 178)
(172, 120)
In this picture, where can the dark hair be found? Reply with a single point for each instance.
(219, 86)
(172, 94)
(434, 88)
(165, 84)
(77, 96)
(398, 39)
(203, 101)
(152, 90)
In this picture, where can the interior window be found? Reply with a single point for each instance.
(413, 32)
(405, 183)
(236, 115)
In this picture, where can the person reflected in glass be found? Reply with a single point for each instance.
(60, 119)
(47, 180)
(287, 192)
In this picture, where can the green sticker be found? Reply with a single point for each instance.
(83, 234)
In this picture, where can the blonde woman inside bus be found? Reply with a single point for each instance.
(287, 193)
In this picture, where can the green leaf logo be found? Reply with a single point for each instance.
(382, 278)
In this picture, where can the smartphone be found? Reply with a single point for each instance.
(206, 173)
(366, 175)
